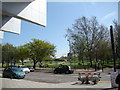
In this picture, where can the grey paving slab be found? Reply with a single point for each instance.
(15, 83)
(22, 83)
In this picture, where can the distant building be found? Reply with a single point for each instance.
(13, 11)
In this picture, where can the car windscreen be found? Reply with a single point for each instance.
(70, 67)
(16, 69)
(23, 67)
(12, 66)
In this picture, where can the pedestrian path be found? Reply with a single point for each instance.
(21, 83)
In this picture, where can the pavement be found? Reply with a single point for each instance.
(22, 83)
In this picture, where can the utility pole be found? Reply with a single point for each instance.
(113, 47)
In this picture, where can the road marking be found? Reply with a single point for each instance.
(104, 81)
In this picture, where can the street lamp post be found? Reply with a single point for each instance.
(113, 47)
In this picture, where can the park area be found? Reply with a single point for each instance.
(75, 64)
(89, 47)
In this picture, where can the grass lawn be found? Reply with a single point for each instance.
(54, 64)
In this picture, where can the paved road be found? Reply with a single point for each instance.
(46, 79)
(50, 77)
(22, 83)
(15, 83)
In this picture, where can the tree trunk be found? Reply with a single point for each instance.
(8, 63)
(119, 60)
(108, 60)
(102, 65)
(96, 60)
(22, 61)
(40, 64)
(34, 66)
(90, 61)
(83, 63)
(35, 62)
(79, 58)
(14, 62)
(103, 61)
(2, 63)
(96, 57)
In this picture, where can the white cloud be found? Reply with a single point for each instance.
(111, 15)
(61, 53)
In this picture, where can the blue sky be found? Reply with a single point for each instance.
(60, 16)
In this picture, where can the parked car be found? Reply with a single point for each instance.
(31, 69)
(13, 72)
(24, 68)
(64, 69)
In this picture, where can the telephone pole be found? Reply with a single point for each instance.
(113, 47)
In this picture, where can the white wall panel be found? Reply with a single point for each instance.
(34, 12)
(13, 25)
(16, 0)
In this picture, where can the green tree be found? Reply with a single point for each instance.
(79, 48)
(8, 52)
(39, 50)
(102, 53)
(117, 38)
(22, 53)
(85, 35)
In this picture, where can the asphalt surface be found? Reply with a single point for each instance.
(50, 77)
(47, 79)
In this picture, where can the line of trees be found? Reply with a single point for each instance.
(90, 40)
(36, 50)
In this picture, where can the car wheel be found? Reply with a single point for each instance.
(83, 81)
(3, 76)
(12, 76)
(23, 77)
(55, 72)
(67, 72)
(95, 82)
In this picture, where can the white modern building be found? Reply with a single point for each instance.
(13, 11)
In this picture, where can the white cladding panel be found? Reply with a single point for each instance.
(13, 25)
(34, 12)
(16, 0)
(37, 12)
